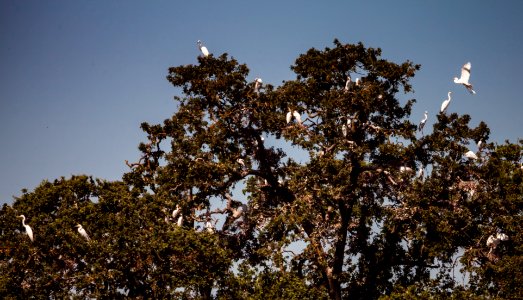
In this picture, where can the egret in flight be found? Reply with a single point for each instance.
(82, 232)
(203, 49)
(28, 229)
(423, 121)
(445, 103)
(465, 76)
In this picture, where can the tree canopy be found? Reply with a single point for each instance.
(320, 188)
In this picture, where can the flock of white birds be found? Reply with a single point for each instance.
(492, 241)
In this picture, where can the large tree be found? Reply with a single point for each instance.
(319, 188)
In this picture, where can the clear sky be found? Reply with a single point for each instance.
(78, 77)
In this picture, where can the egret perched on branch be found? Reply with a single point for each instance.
(294, 114)
(423, 121)
(297, 116)
(257, 84)
(465, 76)
(209, 227)
(28, 229)
(180, 220)
(82, 232)
(471, 155)
(347, 83)
(176, 211)
(445, 103)
(203, 49)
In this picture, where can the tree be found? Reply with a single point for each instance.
(310, 190)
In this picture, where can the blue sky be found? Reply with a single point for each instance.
(78, 77)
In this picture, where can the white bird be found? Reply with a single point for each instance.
(465, 76)
(480, 144)
(445, 103)
(82, 232)
(492, 241)
(209, 226)
(423, 121)
(347, 83)
(257, 84)
(357, 81)
(176, 211)
(203, 49)
(297, 116)
(344, 130)
(180, 221)
(502, 237)
(28, 229)
(241, 162)
(288, 117)
(471, 155)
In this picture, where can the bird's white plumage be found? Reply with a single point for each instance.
(423, 121)
(257, 85)
(445, 103)
(203, 49)
(297, 116)
(176, 211)
(180, 221)
(82, 232)
(347, 83)
(28, 229)
(502, 237)
(344, 130)
(492, 241)
(471, 155)
(288, 117)
(209, 227)
(465, 77)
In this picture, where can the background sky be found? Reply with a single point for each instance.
(78, 77)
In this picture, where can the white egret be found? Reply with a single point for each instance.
(288, 117)
(241, 162)
(257, 85)
(423, 121)
(445, 103)
(492, 241)
(502, 237)
(465, 76)
(176, 211)
(471, 155)
(28, 229)
(344, 130)
(358, 81)
(480, 144)
(82, 232)
(209, 227)
(297, 116)
(203, 49)
(347, 83)
(180, 220)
